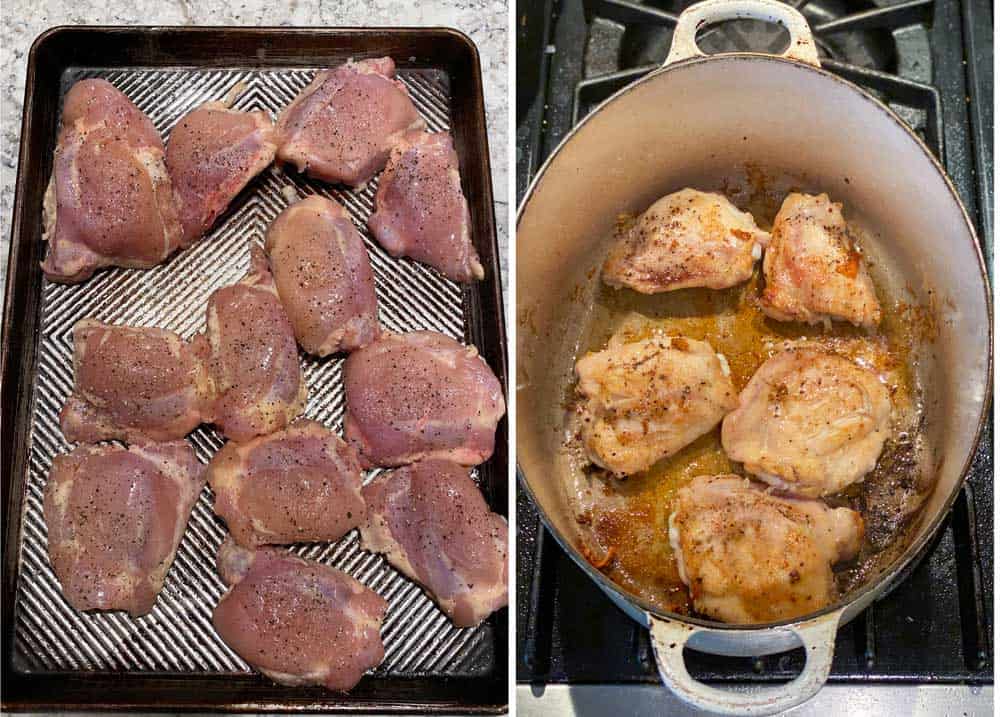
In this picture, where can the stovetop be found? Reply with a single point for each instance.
(932, 61)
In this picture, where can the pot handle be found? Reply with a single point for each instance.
(684, 46)
(817, 636)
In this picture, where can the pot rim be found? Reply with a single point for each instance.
(905, 561)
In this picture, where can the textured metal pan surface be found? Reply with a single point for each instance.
(177, 636)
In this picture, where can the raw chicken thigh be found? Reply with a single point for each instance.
(808, 422)
(420, 211)
(109, 201)
(340, 128)
(297, 621)
(132, 383)
(647, 399)
(323, 276)
(813, 269)
(749, 557)
(431, 521)
(686, 239)
(420, 395)
(299, 484)
(115, 518)
(213, 153)
(249, 349)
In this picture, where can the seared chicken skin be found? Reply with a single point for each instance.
(686, 239)
(809, 423)
(749, 557)
(813, 269)
(647, 399)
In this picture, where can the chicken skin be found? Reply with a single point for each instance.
(299, 484)
(810, 423)
(297, 621)
(813, 269)
(213, 153)
(420, 211)
(132, 383)
(748, 556)
(323, 276)
(647, 399)
(420, 395)
(341, 127)
(115, 518)
(250, 352)
(686, 239)
(433, 524)
(110, 201)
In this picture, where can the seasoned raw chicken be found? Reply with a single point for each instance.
(109, 201)
(813, 269)
(749, 557)
(686, 239)
(323, 276)
(115, 518)
(213, 153)
(132, 383)
(420, 211)
(431, 521)
(809, 422)
(249, 349)
(297, 621)
(420, 395)
(647, 399)
(296, 485)
(340, 128)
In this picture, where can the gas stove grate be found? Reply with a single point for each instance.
(931, 61)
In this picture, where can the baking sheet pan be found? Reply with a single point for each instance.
(172, 659)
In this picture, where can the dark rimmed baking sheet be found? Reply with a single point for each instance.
(172, 658)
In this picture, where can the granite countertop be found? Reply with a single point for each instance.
(485, 21)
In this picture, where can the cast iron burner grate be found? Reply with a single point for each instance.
(931, 60)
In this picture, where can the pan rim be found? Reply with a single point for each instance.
(907, 560)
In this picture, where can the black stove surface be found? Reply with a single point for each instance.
(932, 61)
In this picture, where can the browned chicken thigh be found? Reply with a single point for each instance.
(340, 128)
(212, 153)
(296, 485)
(420, 211)
(686, 239)
(297, 621)
(115, 518)
(813, 268)
(250, 352)
(809, 422)
(645, 400)
(749, 557)
(109, 201)
(433, 524)
(132, 383)
(420, 395)
(323, 276)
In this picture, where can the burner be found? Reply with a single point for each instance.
(883, 46)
